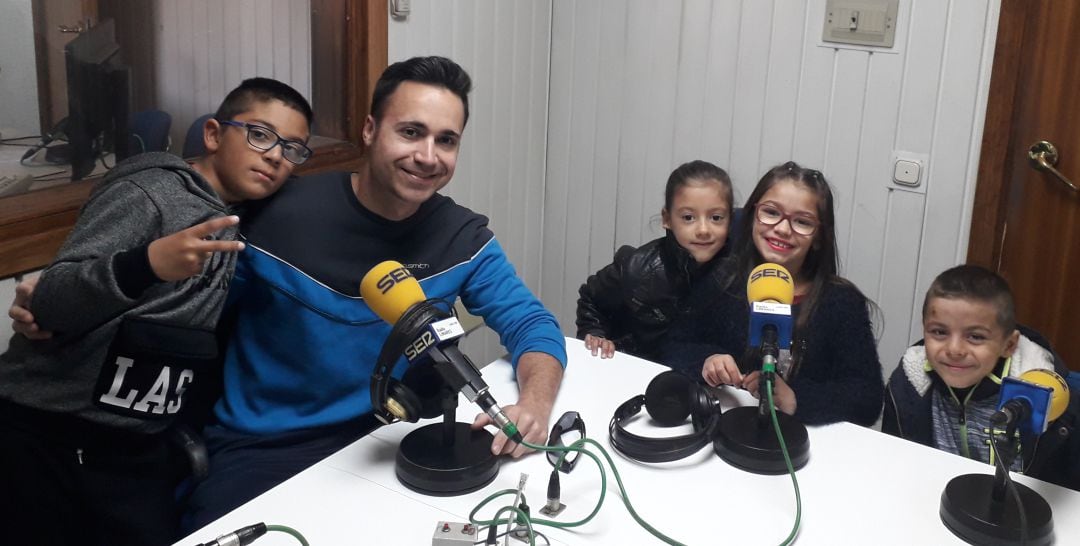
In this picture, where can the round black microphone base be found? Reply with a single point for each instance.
(428, 464)
(744, 443)
(970, 512)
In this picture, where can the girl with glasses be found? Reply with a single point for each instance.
(834, 373)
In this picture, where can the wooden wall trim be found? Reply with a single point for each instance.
(997, 153)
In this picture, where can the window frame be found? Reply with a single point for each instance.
(347, 59)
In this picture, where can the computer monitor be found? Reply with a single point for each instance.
(99, 99)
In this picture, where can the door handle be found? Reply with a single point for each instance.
(1043, 156)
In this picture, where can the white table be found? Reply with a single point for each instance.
(860, 486)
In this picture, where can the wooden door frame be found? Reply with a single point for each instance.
(998, 153)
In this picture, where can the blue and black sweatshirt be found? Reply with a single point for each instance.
(304, 343)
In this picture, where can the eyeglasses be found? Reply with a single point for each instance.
(264, 139)
(770, 215)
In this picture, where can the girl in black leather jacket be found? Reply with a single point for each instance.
(629, 304)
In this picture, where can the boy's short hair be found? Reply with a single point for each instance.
(437, 71)
(253, 90)
(971, 282)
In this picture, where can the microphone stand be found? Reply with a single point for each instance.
(745, 437)
(447, 458)
(976, 508)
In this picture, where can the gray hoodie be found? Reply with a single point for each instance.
(126, 345)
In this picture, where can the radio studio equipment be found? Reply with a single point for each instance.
(447, 458)
(746, 437)
(985, 509)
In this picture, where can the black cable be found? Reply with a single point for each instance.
(1011, 487)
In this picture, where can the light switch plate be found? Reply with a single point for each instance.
(861, 22)
(909, 171)
(906, 172)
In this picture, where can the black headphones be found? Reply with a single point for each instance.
(392, 400)
(669, 399)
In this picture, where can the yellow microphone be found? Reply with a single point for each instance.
(1032, 401)
(770, 291)
(770, 282)
(1059, 398)
(389, 290)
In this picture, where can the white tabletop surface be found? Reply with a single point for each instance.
(860, 486)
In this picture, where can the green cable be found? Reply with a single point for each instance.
(578, 448)
(791, 470)
(626, 500)
(290, 531)
(574, 447)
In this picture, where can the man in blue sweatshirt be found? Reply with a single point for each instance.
(303, 343)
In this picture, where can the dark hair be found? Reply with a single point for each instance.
(822, 263)
(438, 71)
(697, 170)
(254, 90)
(971, 282)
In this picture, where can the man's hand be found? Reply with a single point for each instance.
(539, 376)
(721, 370)
(597, 344)
(181, 255)
(783, 396)
(22, 319)
(531, 421)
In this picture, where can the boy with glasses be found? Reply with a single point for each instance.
(132, 300)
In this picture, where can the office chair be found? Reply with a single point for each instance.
(149, 131)
(193, 141)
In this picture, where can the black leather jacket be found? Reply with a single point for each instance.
(633, 300)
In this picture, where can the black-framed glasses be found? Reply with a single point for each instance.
(770, 215)
(567, 430)
(264, 139)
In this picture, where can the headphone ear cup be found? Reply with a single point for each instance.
(702, 401)
(428, 388)
(402, 402)
(667, 398)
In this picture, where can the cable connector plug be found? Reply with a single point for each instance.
(553, 506)
(239, 537)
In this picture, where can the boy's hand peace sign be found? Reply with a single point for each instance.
(181, 255)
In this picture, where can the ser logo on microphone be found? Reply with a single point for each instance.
(418, 347)
(390, 279)
(770, 272)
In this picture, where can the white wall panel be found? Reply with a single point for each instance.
(842, 137)
(719, 110)
(500, 172)
(897, 295)
(18, 72)
(637, 87)
(781, 92)
(755, 87)
(815, 98)
(955, 121)
(205, 48)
